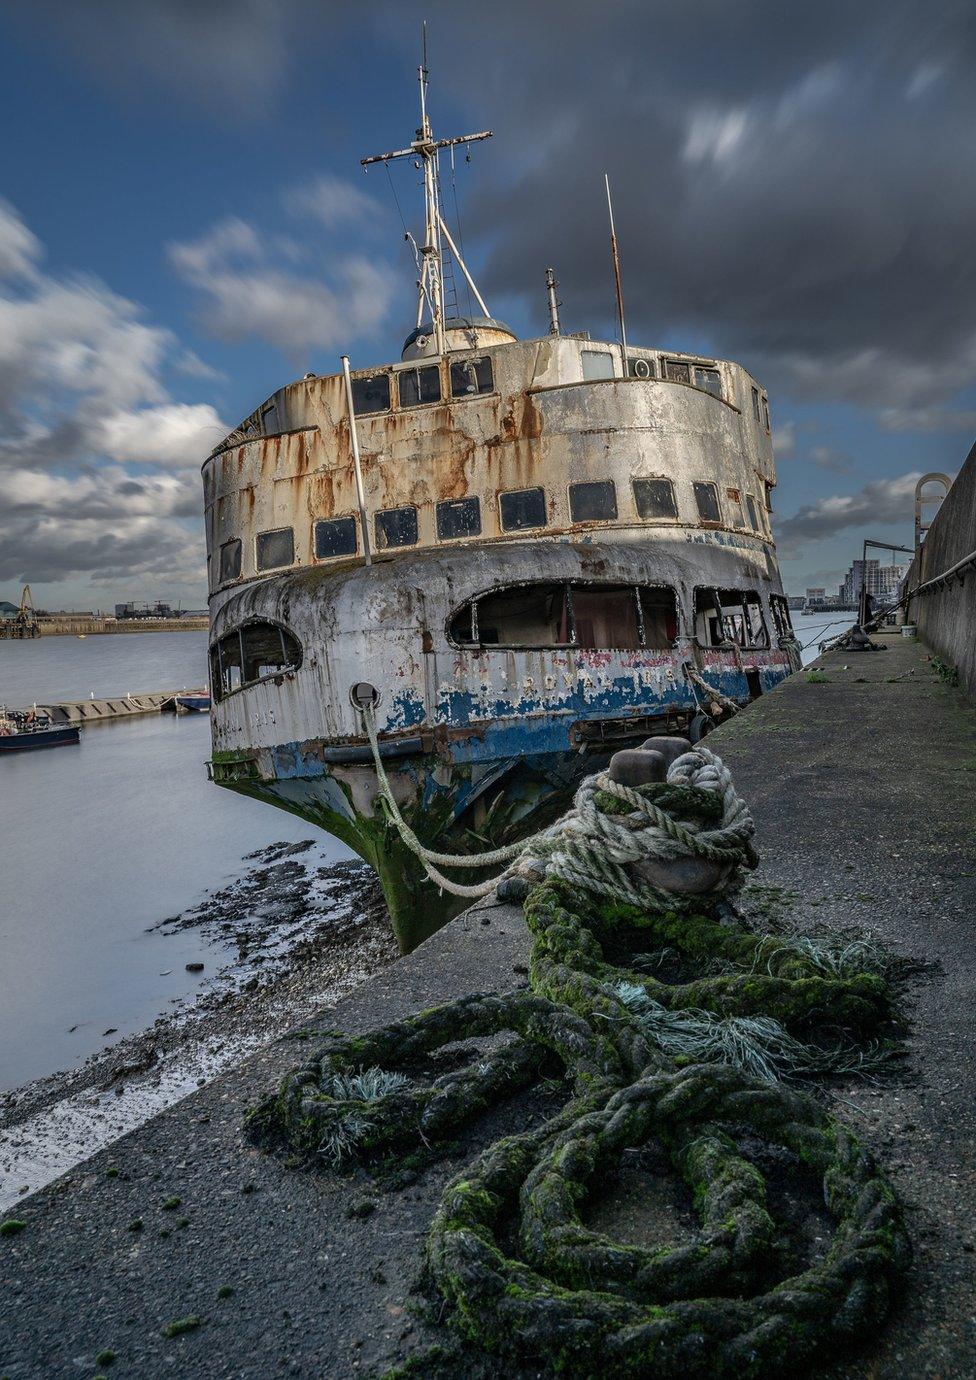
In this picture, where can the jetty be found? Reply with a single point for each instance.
(182, 1248)
(112, 707)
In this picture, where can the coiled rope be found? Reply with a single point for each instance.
(592, 848)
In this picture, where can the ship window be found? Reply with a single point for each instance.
(640, 367)
(522, 508)
(706, 496)
(755, 404)
(460, 517)
(735, 507)
(606, 616)
(751, 510)
(371, 394)
(765, 411)
(677, 371)
(729, 617)
(269, 420)
(553, 615)
(335, 537)
(597, 364)
(230, 560)
(254, 652)
(470, 377)
(781, 614)
(710, 380)
(396, 527)
(655, 498)
(418, 386)
(275, 548)
(593, 502)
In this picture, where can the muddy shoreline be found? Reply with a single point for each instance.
(298, 935)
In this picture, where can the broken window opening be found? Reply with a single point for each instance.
(751, 509)
(729, 618)
(275, 548)
(254, 652)
(555, 615)
(471, 377)
(780, 607)
(641, 367)
(755, 405)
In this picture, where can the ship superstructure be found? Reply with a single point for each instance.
(546, 549)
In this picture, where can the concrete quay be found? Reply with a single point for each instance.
(862, 781)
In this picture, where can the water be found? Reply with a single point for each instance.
(812, 628)
(101, 841)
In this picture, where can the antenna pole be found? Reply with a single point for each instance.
(357, 467)
(616, 278)
(425, 150)
(551, 285)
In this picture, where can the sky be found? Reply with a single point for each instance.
(184, 227)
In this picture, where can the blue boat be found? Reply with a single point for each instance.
(193, 704)
(26, 730)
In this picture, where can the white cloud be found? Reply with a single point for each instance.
(924, 77)
(335, 202)
(173, 434)
(714, 136)
(19, 247)
(784, 440)
(927, 419)
(880, 503)
(101, 466)
(247, 293)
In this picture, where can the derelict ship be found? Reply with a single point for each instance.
(524, 553)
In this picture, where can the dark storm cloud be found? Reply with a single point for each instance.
(795, 185)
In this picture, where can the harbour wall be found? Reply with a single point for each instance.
(945, 611)
(85, 627)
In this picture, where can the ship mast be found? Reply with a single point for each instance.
(425, 151)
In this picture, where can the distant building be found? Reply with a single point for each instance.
(157, 610)
(818, 598)
(882, 581)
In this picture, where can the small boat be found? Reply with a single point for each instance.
(193, 704)
(22, 730)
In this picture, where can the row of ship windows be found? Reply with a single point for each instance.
(421, 386)
(537, 616)
(519, 510)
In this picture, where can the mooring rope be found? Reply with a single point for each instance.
(725, 701)
(591, 848)
(694, 1064)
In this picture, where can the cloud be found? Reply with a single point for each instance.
(250, 290)
(928, 419)
(173, 434)
(100, 466)
(880, 503)
(832, 459)
(335, 202)
(784, 440)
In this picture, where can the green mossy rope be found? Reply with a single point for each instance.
(527, 1281)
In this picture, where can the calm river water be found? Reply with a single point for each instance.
(101, 841)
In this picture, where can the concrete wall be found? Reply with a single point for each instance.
(946, 614)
